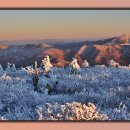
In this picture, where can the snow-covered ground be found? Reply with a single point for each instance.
(97, 93)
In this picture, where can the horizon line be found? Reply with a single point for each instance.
(107, 37)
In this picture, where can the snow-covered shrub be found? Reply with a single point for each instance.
(113, 63)
(5, 77)
(85, 64)
(69, 111)
(2, 119)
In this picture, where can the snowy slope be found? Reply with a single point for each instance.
(106, 88)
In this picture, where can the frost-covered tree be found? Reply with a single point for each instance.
(113, 63)
(13, 68)
(1, 68)
(74, 66)
(47, 66)
(85, 64)
(8, 67)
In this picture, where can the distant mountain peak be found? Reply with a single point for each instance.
(123, 39)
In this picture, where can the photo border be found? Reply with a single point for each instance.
(43, 124)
